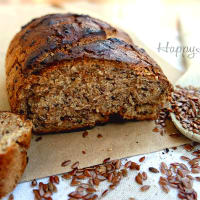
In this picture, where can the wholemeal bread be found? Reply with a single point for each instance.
(68, 71)
(15, 136)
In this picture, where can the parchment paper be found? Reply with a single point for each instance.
(119, 139)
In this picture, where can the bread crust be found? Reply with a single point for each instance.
(13, 161)
(71, 38)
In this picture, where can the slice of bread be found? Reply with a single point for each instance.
(15, 136)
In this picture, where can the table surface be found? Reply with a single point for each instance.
(128, 187)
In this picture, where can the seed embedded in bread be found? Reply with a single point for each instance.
(15, 136)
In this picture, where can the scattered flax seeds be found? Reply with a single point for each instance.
(175, 175)
(185, 104)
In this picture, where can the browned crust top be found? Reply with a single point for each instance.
(55, 32)
(59, 37)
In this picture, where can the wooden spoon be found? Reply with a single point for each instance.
(190, 78)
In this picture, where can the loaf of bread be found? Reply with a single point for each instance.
(15, 136)
(68, 71)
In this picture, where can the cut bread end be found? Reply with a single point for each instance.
(81, 94)
(13, 129)
(15, 136)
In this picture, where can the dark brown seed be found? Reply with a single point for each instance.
(187, 183)
(94, 197)
(188, 147)
(163, 181)
(56, 180)
(197, 179)
(110, 177)
(185, 158)
(11, 197)
(87, 196)
(165, 188)
(67, 176)
(145, 188)
(142, 159)
(134, 166)
(183, 166)
(128, 164)
(74, 182)
(65, 163)
(75, 195)
(144, 176)
(193, 161)
(90, 182)
(156, 130)
(81, 176)
(75, 165)
(195, 170)
(118, 164)
(87, 173)
(124, 172)
(90, 190)
(116, 179)
(73, 172)
(50, 186)
(112, 187)
(104, 193)
(45, 188)
(138, 179)
(38, 139)
(51, 179)
(181, 196)
(85, 134)
(33, 183)
(162, 170)
(153, 170)
(37, 194)
(96, 181)
(54, 188)
(164, 165)
(84, 185)
(106, 160)
(109, 167)
(173, 185)
(196, 153)
(180, 173)
(83, 152)
(48, 198)
(41, 191)
(190, 177)
(99, 136)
